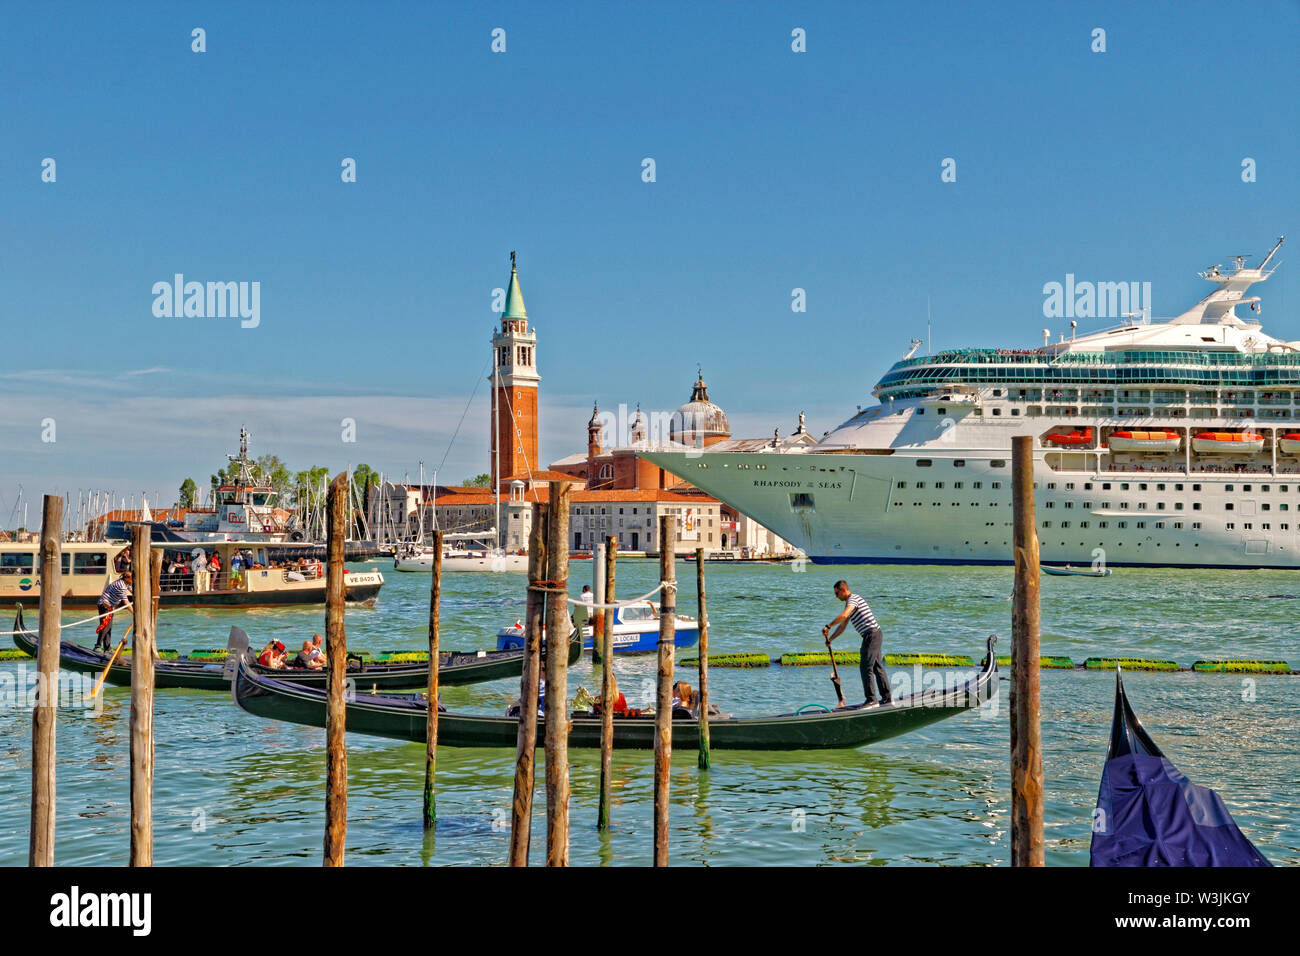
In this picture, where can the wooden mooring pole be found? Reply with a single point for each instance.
(608, 689)
(598, 596)
(558, 627)
(1026, 732)
(431, 722)
(40, 850)
(336, 658)
(704, 661)
(143, 650)
(664, 699)
(521, 813)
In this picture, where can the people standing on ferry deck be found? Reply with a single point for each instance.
(200, 565)
(112, 598)
(871, 663)
(123, 560)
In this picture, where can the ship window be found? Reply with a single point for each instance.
(1069, 504)
(1230, 526)
(1014, 411)
(1178, 487)
(1196, 506)
(923, 463)
(1051, 485)
(1142, 506)
(1142, 487)
(1047, 524)
(998, 463)
(1263, 487)
(957, 484)
(1141, 524)
(1227, 487)
(902, 484)
(1050, 504)
(997, 484)
(959, 463)
(977, 484)
(1124, 505)
(18, 562)
(1160, 506)
(1122, 524)
(1196, 487)
(997, 411)
(1284, 507)
(1065, 524)
(1247, 526)
(1264, 526)
(1160, 487)
(1196, 525)
(95, 562)
(1228, 506)
(1264, 506)
(1105, 486)
(1123, 486)
(920, 411)
(1282, 488)
(1245, 487)
(1178, 524)
(1284, 526)
(920, 484)
(1103, 524)
(997, 393)
(941, 411)
(938, 484)
(1069, 486)
(1178, 506)
(1088, 505)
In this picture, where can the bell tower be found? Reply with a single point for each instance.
(514, 389)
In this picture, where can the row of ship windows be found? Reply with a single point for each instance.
(1088, 485)
(1087, 505)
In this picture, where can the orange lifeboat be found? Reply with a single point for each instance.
(1159, 440)
(1075, 437)
(1228, 443)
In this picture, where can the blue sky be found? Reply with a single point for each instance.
(775, 170)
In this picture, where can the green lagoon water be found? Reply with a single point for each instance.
(234, 790)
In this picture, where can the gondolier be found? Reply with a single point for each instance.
(112, 598)
(871, 664)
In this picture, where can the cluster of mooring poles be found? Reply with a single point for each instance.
(548, 571)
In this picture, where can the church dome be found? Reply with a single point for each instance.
(699, 421)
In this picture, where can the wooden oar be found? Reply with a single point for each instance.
(100, 683)
(835, 675)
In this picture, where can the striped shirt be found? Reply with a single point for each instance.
(117, 593)
(861, 617)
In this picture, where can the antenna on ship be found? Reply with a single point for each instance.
(1272, 252)
(1073, 325)
(1047, 337)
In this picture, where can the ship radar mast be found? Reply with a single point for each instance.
(1219, 307)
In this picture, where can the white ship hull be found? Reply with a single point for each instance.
(494, 563)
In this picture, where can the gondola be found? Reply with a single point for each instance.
(403, 716)
(1149, 814)
(454, 667)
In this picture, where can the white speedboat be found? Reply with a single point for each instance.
(636, 631)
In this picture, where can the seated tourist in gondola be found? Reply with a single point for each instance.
(272, 656)
(683, 701)
(513, 709)
(307, 657)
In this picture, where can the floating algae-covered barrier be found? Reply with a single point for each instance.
(732, 660)
(14, 654)
(930, 660)
(1243, 667)
(1047, 663)
(1129, 664)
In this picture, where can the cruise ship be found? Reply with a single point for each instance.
(1172, 443)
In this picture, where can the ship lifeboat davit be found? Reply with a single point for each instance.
(1228, 443)
(1289, 444)
(1145, 441)
(1075, 437)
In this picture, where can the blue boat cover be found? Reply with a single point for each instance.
(1149, 814)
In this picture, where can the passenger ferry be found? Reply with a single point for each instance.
(243, 509)
(88, 568)
(1172, 443)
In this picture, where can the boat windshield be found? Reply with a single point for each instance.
(637, 612)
